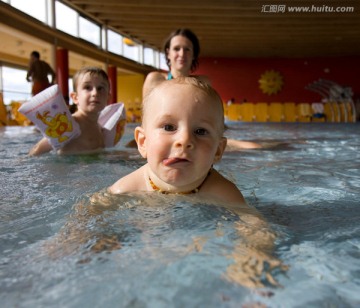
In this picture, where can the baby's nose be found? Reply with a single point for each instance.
(185, 139)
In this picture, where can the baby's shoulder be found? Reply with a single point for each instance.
(220, 187)
(134, 181)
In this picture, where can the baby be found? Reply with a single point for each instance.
(91, 95)
(181, 137)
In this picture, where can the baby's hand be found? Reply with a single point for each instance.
(253, 268)
(101, 199)
(106, 243)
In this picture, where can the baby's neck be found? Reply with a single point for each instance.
(171, 189)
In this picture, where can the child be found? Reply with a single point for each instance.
(181, 137)
(92, 93)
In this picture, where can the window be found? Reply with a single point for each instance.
(15, 86)
(34, 8)
(66, 19)
(163, 64)
(131, 50)
(89, 31)
(149, 56)
(71, 22)
(114, 42)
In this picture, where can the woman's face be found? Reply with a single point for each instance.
(180, 54)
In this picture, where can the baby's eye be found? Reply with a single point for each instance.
(169, 127)
(201, 131)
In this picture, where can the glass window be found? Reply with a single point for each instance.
(89, 31)
(66, 19)
(34, 8)
(114, 42)
(15, 86)
(131, 49)
(163, 64)
(149, 56)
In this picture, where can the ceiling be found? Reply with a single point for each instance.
(237, 28)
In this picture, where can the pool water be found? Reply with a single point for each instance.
(61, 248)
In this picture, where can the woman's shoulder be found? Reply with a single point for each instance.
(152, 80)
(156, 76)
(203, 78)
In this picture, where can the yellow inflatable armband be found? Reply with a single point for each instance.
(49, 112)
(112, 119)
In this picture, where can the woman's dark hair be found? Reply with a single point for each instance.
(192, 38)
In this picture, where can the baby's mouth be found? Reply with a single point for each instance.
(173, 160)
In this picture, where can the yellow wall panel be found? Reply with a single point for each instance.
(261, 112)
(276, 112)
(290, 112)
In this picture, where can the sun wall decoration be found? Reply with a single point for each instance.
(270, 82)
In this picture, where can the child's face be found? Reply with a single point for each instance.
(92, 93)
(180, 53)
(181, 136)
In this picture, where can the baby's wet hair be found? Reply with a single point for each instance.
(192, 81)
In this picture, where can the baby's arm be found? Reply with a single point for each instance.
(43, 146)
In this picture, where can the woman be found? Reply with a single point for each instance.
(182, 51)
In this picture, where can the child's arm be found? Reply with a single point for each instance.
(43, 146)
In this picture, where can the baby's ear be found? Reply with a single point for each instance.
(140, 138)
(220, 150)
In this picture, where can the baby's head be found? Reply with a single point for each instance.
(176, 91)
(182, 133)
(92, 71)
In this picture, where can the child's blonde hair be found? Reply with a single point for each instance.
(92, 70)
(192, 81)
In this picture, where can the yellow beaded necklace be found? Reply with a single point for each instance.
(195, 190)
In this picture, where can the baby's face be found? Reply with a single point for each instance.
(183, 128)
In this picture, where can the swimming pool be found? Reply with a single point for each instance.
(171, 252)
